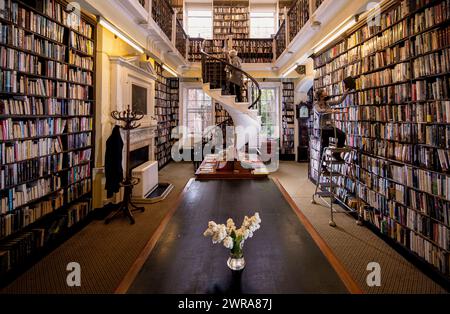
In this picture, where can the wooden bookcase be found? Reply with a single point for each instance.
(254, 50)
(230, 18)
(214, 47)
(166, 112)
(288, 122)
(47, 99)
(398, 124)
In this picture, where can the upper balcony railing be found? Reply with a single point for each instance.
(162, 14)
(251, 50)
(181, 38)
(280, 40)
(297, 17)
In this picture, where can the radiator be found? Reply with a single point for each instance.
(148, 175)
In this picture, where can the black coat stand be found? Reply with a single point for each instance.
(129, 119)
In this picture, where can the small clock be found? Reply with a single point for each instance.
(303, 112)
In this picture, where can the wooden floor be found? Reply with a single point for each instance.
(282, 257)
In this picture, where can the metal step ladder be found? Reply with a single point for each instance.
(327, 188)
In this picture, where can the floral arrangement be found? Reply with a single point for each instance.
(231, 237)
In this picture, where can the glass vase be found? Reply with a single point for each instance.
(236, 260)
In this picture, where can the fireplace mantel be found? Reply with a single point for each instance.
(126, 72)
(129, 71)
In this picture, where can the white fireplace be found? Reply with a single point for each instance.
(133, 86)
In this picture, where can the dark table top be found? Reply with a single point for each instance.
(280, 258)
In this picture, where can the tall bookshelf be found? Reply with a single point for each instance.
(288, 122)
(231, 18)
(174, 86)
(46, 128)
(397, 123)
(166, 112)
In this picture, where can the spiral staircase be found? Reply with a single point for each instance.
(245, 115)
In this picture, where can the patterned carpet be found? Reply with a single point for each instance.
(106, 252)
(355, 246)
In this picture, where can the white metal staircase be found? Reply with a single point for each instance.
(245, 115)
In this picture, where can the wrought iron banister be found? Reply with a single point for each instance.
(180, 39)
(213, 72)
(208, 135)
(280, 40)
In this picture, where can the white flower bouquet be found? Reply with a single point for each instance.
(231, 237)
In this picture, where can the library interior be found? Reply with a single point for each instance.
(308, 139)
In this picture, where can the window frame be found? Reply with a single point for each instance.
(266, 10)
(190, 9)
(208, 111)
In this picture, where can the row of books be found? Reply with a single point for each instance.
(11, 82)
(374, 171)
(86, 63)
(16, 251)
(79, 76)
(26, 193)
(16, 173)
(409, 239)
(75, 141)
(230, 23)
(414, 133)
(36, 23)
(15, 130)
(230, 10)
(428, 112)
(78, 173)
(386, 57)
(400, 31)
(14, 36)
(78, 190)
(57, 11)
(406, 153)
(424, 43)
(430, 182)
(431, 41)
(78, 212)
(231, 30)
(28, 149)
(80, 92)
(400, 73)
(432, 64)
(12, 221)
(415, 220)
(20, 61)
(79, 124)
(421, 90)
(81, 43)
(78, 157)
(23, 150)
(288, 132)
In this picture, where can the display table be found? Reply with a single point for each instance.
(282, 256)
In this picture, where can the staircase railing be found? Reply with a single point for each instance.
(214, 72)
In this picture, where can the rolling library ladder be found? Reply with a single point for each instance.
(330, 170)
